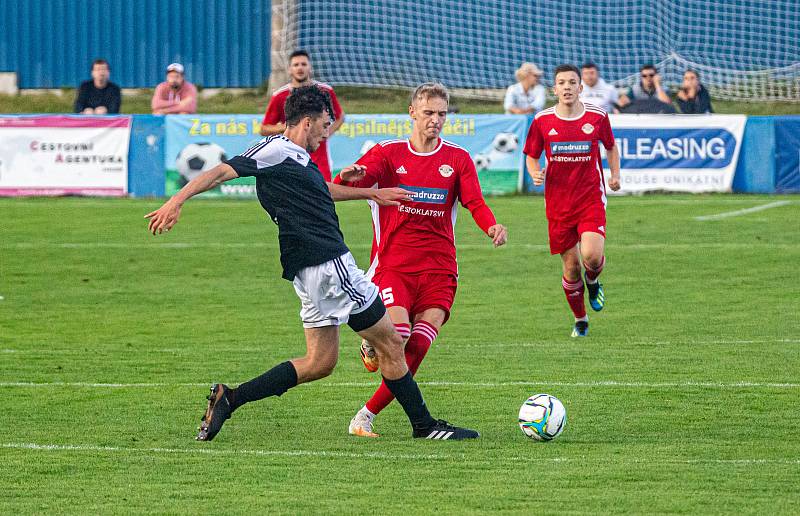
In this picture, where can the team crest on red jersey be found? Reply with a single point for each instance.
(446, 170)
(587, 128)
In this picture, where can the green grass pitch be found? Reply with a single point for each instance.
(685, 398)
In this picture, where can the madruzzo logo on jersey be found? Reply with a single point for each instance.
(425, 194)
(574, 152)
(570, 147)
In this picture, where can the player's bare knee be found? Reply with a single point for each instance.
(593, 261)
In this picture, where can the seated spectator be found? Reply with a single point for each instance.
(648, 89)
(98, 96)
(597, 91)
(693, 97)
(527, 96)
(176, 95)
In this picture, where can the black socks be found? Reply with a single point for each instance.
(274, 382)
(407, 393)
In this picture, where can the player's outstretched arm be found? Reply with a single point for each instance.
(167, 215)
(613, 164)
(382, 196)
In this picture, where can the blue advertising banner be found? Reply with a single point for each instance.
(787, 154)
(678, 153)
(196, 143)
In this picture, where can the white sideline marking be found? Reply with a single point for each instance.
(211, 451)
(374, 455)
(488, 385)
(745, 211)
(274, 245)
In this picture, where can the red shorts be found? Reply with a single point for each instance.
(565, 234)
(417, 293)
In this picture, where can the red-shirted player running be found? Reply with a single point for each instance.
(275, 118)
(413, 251)
(575, 190)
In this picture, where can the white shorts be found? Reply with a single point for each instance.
(331, 291)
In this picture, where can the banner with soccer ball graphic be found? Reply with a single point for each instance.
(196, 143)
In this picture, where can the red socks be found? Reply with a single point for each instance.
(574, 293)
(417, 347)
(592, 274)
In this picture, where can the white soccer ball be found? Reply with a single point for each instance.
(482, 161)
(196, 158)
(542, 417)
(505, 142)
(367, 146)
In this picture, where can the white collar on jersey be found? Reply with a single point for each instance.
(555, 111)
(434, 151)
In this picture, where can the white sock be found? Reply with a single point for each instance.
(365, 411)
(584, 318)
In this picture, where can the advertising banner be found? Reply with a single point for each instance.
(787, 154)
(64, 155)
(677, 153)
(196, 143)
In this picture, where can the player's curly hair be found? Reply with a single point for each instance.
(307, 101)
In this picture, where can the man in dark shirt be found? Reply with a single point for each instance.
(332, 290)
(693, 97)
(98, 96)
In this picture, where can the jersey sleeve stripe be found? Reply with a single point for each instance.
(389, 142)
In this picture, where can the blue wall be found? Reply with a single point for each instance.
(51, 43)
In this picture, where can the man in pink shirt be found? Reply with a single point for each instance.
(176, 95)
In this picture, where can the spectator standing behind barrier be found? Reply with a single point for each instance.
(98, 96)
(648, 94)
(274, 121)
(597, 91)
(693, 97)
(527, 96)
(176, 95)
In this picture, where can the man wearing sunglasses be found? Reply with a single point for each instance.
(648, 89)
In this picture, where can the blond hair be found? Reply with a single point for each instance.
(430, 89)
(527, 69)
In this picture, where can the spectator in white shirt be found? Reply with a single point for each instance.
(527, 96)
(597, 91)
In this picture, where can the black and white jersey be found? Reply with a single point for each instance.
(292, 190)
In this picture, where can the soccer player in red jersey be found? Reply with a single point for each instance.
(413, 251)
(574, 189)
(275, 118)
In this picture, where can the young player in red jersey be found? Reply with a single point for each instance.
(275, 118)
(574, 191)
(413, 251)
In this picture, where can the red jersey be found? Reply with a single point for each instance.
(417, 237)
(276, 115)
(574, 177)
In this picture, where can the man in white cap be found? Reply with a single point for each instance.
(527, 96)
(176, 95)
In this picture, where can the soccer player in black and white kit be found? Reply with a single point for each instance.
(313, 255)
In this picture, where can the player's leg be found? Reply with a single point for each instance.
(426, 327)
(593, 257)
(361, 424)
(564, 241)
(573, 289)
(397, 296)
(371, 321)
(399, 380)
(322, 310)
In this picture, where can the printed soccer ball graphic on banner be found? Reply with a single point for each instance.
(505, 142)
(196, 158)
(542, 417)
